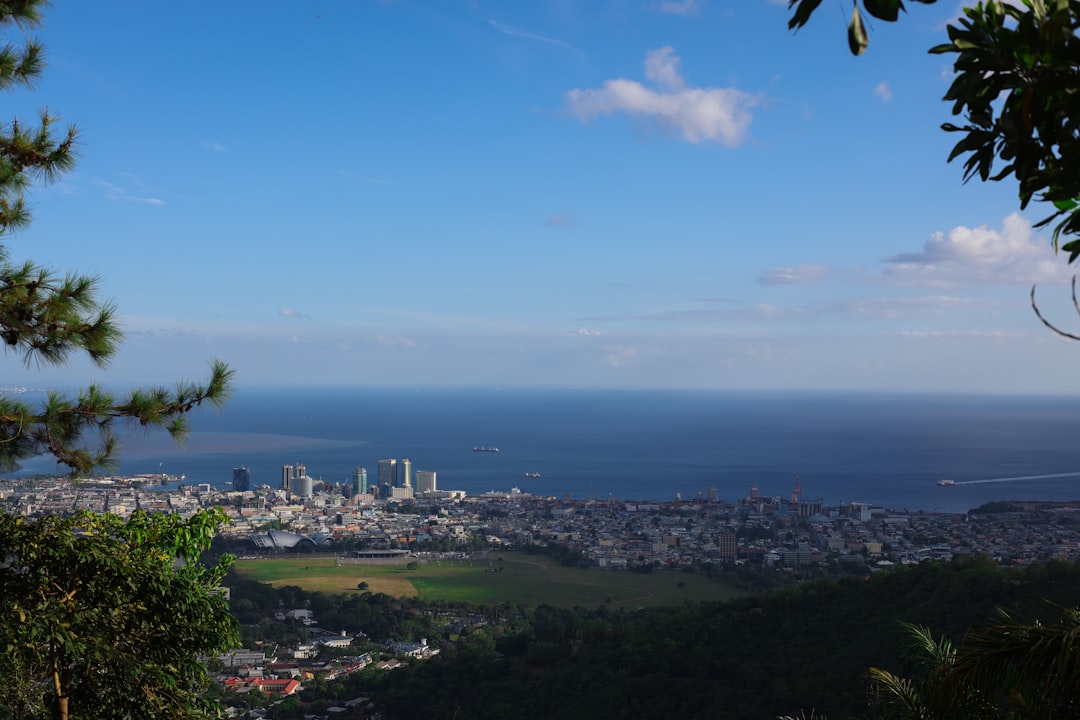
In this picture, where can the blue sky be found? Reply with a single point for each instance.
(587, 193)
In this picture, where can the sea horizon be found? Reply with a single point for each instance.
(889, 449)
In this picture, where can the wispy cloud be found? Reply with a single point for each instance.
(116, 192)
(215, 146)
(936, 334)
(286, 312)
(394, 341)
(883, 91)
(720, 115)
(717, 300)
(585, 332)
(561, 220)
(515, 32)
(676, 7)
(809, 274)
(756, 314)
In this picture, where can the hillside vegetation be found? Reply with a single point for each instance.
(800, 648)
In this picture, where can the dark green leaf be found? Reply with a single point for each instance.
(802, 13)
(887, 10)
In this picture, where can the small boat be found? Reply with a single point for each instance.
(946, 483)
(485, 448)
(532, 475)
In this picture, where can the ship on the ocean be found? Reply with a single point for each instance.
(532, 475)
(946, 483)
(485, 448)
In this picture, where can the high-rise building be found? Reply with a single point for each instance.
(388, 472)
(302, 486)
(359, 481)
(241, 479)
(289, 476)
(406, 473)
(425, 481)
(727, 545)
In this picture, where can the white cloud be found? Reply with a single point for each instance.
(1011, 255)
(963, 256)
(395, 341)
(873, 308)
(585, 332)
(938, 334)
(115, 192)
(883, 91)
(720, 115)
(797, 275)
(676, 7)
(514, 32)
(286, 312)
(209, 145)
(620, 355)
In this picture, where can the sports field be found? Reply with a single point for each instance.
(515, 577)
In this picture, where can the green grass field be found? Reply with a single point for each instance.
(517, 577)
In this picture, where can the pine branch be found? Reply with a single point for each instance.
(62, 425)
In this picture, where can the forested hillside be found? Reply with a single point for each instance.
(796, 649)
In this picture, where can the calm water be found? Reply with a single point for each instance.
(885, 449)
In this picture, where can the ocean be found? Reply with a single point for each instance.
(886, 449)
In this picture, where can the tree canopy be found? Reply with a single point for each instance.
(105, 616)
(108, 618)
(47, 318)
(1017, 89)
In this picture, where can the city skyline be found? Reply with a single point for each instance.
(677, 194)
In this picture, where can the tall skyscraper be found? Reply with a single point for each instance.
(425, 481)
(288, 474)
(359, 481)
(388, 472)
(302, 486)
(241, 479)
(406, 473)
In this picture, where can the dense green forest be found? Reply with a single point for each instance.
(791, 650)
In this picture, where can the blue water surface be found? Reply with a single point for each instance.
(887, 449)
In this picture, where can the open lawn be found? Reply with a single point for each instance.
(514, 577)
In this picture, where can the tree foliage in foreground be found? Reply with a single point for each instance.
(1004, 669)
(1017, 89)
(106, 618)
(47, 318)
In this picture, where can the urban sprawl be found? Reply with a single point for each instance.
(402, 512)
(393, 521)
